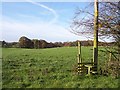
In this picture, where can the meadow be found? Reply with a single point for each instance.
(50, 68)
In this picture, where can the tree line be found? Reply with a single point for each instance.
(25, 42)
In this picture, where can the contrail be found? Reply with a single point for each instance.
(50, 9)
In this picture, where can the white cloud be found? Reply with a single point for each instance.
(12, 30)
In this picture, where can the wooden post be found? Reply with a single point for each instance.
(110, 56)
(79, 51)
(79, 58)
(95, 48)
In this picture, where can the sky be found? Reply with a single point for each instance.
(39, 20)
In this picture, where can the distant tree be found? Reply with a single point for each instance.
(15, 45)
(43, 43)
(24, 42)
(0, 43)
(67, 44)
(4, 44)
(50, 45)
(90, 43)
(58, 44)
(36, 43)
(74, 43)
(12, 44)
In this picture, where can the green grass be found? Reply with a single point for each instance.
(50, 68)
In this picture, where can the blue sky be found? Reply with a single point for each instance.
(39, 20)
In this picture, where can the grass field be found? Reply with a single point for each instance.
(50, 68)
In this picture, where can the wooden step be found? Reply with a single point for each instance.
(94, 72)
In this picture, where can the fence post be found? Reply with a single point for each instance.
(110, 56)
(95, 48)
(79, 58)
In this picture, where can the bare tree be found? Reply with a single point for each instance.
(108, 21)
